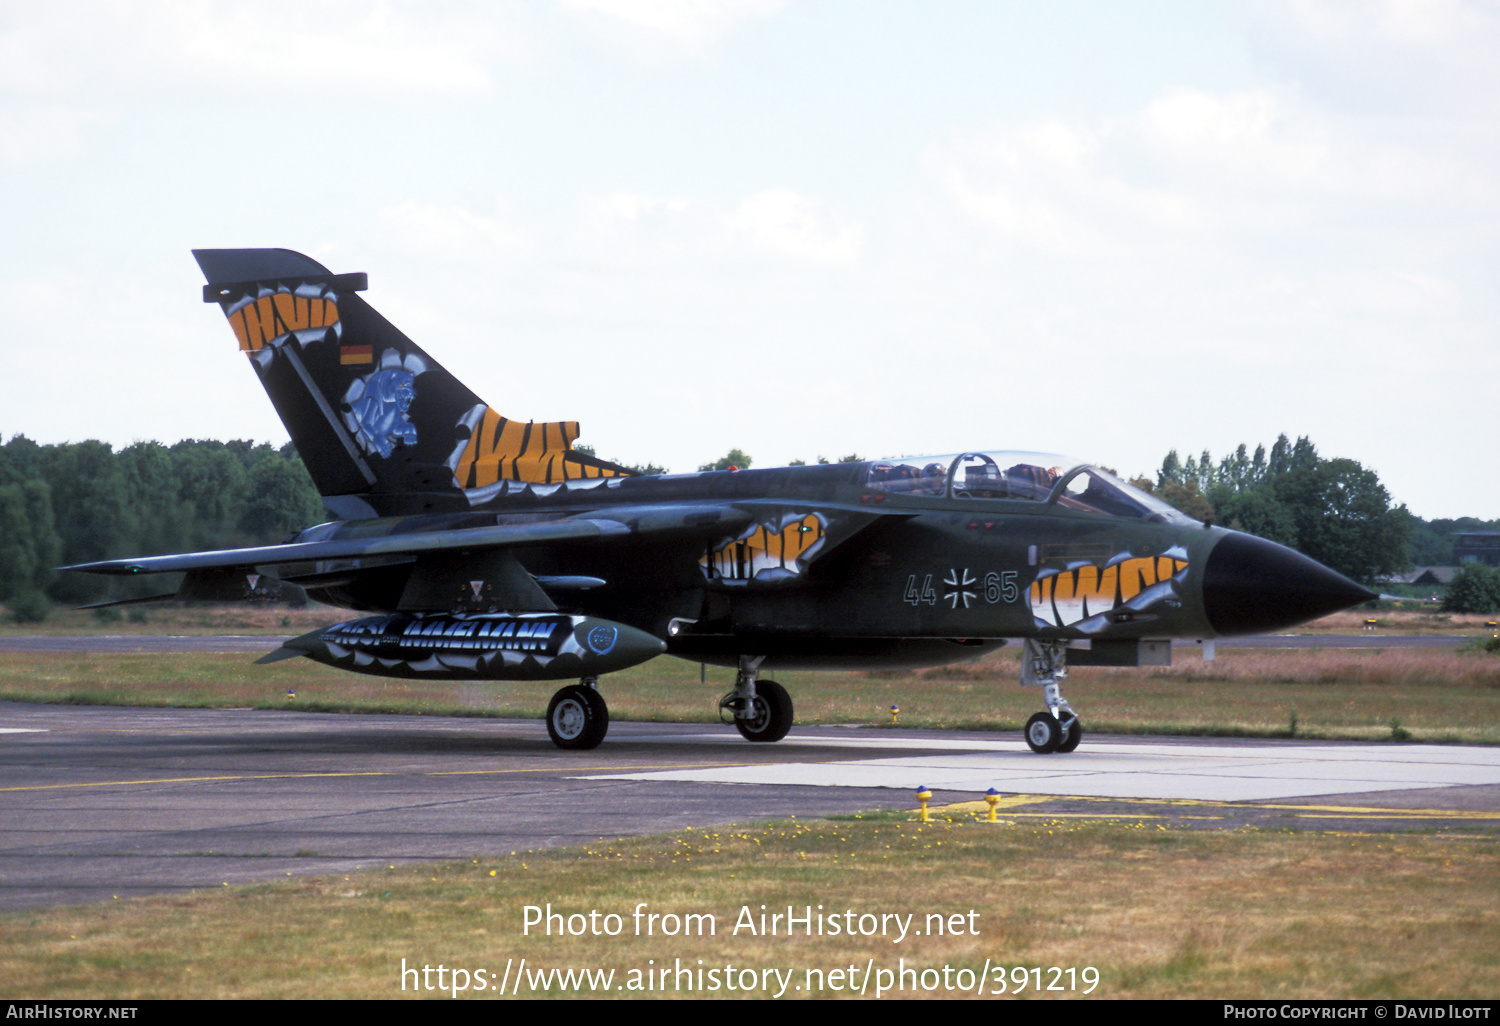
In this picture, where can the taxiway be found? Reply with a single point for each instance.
(103, 802)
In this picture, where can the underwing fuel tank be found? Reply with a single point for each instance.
(476, 646)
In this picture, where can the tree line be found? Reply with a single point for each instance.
(83, 501)
(1334, 510)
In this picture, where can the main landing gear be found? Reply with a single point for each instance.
(762, 709)
(1058, 729)
(577, 716)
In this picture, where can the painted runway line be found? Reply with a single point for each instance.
(1214, 772)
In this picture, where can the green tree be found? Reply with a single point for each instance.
(734, 458)
(1430, 544)
(162, 519)
(1344, 518)
(213, 479)
(642, 469)
(1335, 511)
(1183, 497)
(282, 499)
(29, 543)
(1256, 511)
(1171, 469)
(21, 459)
(90, 502)
(1475, 589)
(92, 512)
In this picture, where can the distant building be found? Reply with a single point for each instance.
(1477, 547)
(1426, 576)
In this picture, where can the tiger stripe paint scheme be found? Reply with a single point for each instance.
(1085, 596)
(500, 448)
(268, 317)
(768, 552)
(324, 355)
(467, 532)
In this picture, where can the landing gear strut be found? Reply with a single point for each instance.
(577, 716)
(762, 709)
(1058, 729)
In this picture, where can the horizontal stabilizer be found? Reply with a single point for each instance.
(237, 265)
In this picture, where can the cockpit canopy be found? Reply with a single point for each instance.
(1019, 476)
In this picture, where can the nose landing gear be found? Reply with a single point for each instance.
(1058, 729)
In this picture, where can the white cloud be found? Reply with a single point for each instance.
(784, 224)
(777, 224)
(1349, 24)
(662, 31)
(627, 227)
(1430, 56)
(1057, 187)
(450, 232)
(1246, 136)
(98, 51)
(32, 132)
(1210, 168)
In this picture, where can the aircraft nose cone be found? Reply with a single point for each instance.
(1251, 586)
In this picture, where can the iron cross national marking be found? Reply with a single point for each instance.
(959, 588)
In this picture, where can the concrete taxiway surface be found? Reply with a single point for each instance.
(99, 802)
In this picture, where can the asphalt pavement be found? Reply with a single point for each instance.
(104, 802)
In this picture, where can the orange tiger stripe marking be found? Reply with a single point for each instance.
(275, 314)
(1086, 591)
(501, 448)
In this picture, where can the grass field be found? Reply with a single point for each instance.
(1119, 908)
(1418, 694)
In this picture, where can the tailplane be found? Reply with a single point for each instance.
(381, 426)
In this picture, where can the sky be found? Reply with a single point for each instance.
(799, 228)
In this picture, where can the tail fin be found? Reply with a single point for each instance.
(383, 429)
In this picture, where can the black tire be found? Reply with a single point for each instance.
(1043, 733)
(771, 715)
(577, 718)
(1075, 735)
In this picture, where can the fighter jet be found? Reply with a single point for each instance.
(489, 548)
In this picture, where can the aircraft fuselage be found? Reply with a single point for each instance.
(492, 548)
(832, 572)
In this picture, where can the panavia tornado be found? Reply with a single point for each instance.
(482, 547)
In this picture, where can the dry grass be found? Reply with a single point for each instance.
(1400, 621)
(1421, 694)
(242, 618)
(1159, 913)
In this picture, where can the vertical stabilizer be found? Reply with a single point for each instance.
(382, 427)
